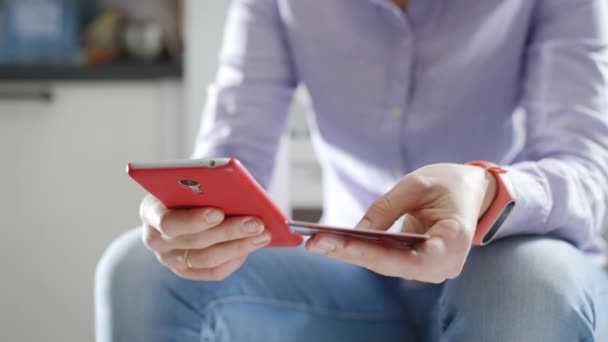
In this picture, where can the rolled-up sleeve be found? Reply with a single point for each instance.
(562, 186)
(246, 109)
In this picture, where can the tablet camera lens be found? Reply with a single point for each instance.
(189, 183)
(192, 185)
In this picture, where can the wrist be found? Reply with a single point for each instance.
(497, 205)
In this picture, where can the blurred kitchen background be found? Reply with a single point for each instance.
(85, 87)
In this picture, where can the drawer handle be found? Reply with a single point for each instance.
(43, 95)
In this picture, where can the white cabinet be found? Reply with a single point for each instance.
(64, 194)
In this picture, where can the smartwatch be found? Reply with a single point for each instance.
(500, 209)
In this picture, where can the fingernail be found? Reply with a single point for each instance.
(252, 226)
(325, 246)
(262, 239)
(213, 217)
(364, 224)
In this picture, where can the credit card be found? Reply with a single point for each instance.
(389, 239)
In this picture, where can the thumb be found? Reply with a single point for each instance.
(401, 199)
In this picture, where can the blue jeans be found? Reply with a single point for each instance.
(518, 289)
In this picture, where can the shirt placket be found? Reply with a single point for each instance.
(401, 77)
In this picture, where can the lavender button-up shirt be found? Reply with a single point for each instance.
(522, 83)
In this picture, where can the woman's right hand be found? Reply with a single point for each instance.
(200, 243)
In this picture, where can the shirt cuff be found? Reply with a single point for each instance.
(532, 202)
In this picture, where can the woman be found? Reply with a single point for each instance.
(404, 95)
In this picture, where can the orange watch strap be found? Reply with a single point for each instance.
(499, 210)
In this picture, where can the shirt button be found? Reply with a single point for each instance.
(406, 43)
(396, 112)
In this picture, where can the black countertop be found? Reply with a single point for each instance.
(110, 72)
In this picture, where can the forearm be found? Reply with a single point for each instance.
(246, 107)
(561, 183)
(563, 197)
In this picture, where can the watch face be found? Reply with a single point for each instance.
(498, 223)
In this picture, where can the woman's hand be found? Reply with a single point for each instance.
(216, 246)
(443, 200)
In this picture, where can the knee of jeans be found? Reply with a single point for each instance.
(523, 278)
(127, 285)
(122, 271)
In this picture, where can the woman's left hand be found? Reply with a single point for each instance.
(443, 200)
